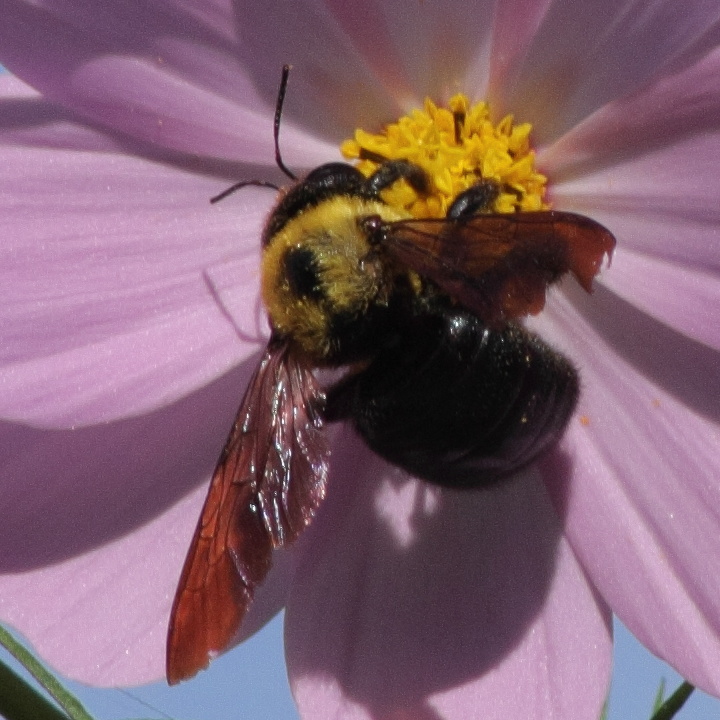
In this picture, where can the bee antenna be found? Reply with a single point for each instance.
(276, 134)
(278, 116)
(242, 184)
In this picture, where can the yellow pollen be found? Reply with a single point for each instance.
(457, 147)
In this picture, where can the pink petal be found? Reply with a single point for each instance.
(685, 298)
(647, 168)
(675, 114)
(116, 282)
(101, 617)
(32, 121)
(167, 75)
(662, 204)
(121, 296)
(650, 545)
(96, 527)
(641, 512)
(92, 581)
(410, 601)
(81, 500)
(516, 23)
(432, 51)
(126, 472)
(624, 46)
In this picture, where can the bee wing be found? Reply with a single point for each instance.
(268, 483)
(499, 266)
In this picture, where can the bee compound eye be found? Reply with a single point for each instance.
(301, 271)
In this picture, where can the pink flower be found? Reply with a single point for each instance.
(122, 368)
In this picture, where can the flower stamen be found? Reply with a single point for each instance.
(457, 147)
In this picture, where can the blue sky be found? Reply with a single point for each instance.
(250, 682)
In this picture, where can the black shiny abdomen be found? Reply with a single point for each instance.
(457, 403)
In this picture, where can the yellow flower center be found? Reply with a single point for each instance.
(457, 146)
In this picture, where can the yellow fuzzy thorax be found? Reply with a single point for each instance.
(349, 279)
(456, 146)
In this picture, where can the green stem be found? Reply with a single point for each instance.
(68, 702)
(668, 709)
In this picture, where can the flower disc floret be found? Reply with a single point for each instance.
(457, 146)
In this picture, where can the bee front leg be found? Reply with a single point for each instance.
(476, 199)
(392, 171)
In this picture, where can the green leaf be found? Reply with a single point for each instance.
(604, 712)
(670, 707)
(24, 702)
(659, 697)
(21, 701)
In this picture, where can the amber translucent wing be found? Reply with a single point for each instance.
(268, 483)
(499, 266)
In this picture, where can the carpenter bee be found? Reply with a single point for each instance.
(441, 379)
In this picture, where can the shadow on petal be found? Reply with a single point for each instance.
(653, 119)
(36, 122)
(65, 492)
(405, 590)
(683, 367)
(330, 96)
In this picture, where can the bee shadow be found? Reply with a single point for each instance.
(424, 600)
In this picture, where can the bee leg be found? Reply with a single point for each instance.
(474, 200)
(335, 176)
(392, 171)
